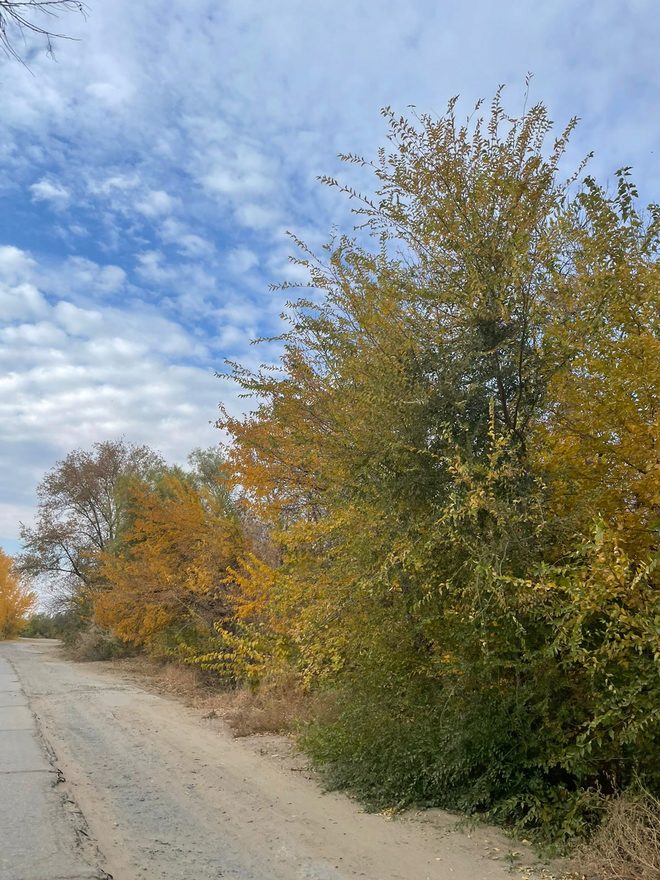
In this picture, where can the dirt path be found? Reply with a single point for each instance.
(168, 797)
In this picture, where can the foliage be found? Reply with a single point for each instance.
(46, 626)
(81, 513)
(165, 583)
(16, 600)
(455, 411)
(94, 643)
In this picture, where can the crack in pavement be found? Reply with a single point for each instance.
(41, 829)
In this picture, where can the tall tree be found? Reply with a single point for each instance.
(81, 512)
(467, 391)
(172, 568)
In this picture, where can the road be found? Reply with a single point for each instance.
(100, 778)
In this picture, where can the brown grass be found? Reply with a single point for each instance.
(277, 706)
(183, 681)
(627, 845)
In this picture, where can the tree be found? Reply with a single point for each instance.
(172, 568)
(81, 513)
(598, 441)
(16, 601)
(17, 18)
(467, 395)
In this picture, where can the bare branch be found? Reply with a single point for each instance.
(17, 18)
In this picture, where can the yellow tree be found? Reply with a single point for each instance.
(599, 438)
(456, 406)
(170, 572)
(16, 601)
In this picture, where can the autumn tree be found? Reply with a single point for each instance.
(168, 579)
(81, 512)
(16, 600)
(599, 438)
(463, 418)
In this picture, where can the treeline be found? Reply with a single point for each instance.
(442, 511)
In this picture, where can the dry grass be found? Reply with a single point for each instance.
(627, 846)
(95, 643)
(182, 681)
(277, 706)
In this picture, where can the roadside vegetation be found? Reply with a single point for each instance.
(17, 601)
(438, 523)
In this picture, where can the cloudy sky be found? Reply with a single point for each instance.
(150, 172)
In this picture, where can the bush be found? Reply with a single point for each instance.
(401, 740)
(627, 846)
(95, 643)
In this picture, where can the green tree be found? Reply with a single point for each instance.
(409, 454)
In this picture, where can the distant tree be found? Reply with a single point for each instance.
(21, 17)
(16, 600)
(81, 512)
(59, 625)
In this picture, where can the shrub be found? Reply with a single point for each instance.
(95, 643)
(627, 846)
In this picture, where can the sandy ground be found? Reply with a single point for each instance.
(168, 795)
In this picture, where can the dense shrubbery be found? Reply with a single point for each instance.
(443, 511)
(459, 459)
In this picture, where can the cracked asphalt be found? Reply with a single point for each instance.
(38, 835)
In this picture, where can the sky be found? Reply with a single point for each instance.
(150, 173)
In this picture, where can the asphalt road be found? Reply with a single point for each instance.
(40, 833)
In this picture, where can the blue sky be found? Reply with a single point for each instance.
(149, 175)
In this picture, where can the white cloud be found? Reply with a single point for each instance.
(241, 260)
(151, 268)
(114, 183)
(155, 203)
(111, 94)
(256, 216)
(188, 243)
(71, 375)
(15, 264)
(47, 191)
(76, 321)
(21, 301)
(91, 277)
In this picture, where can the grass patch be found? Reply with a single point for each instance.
(627, 844)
